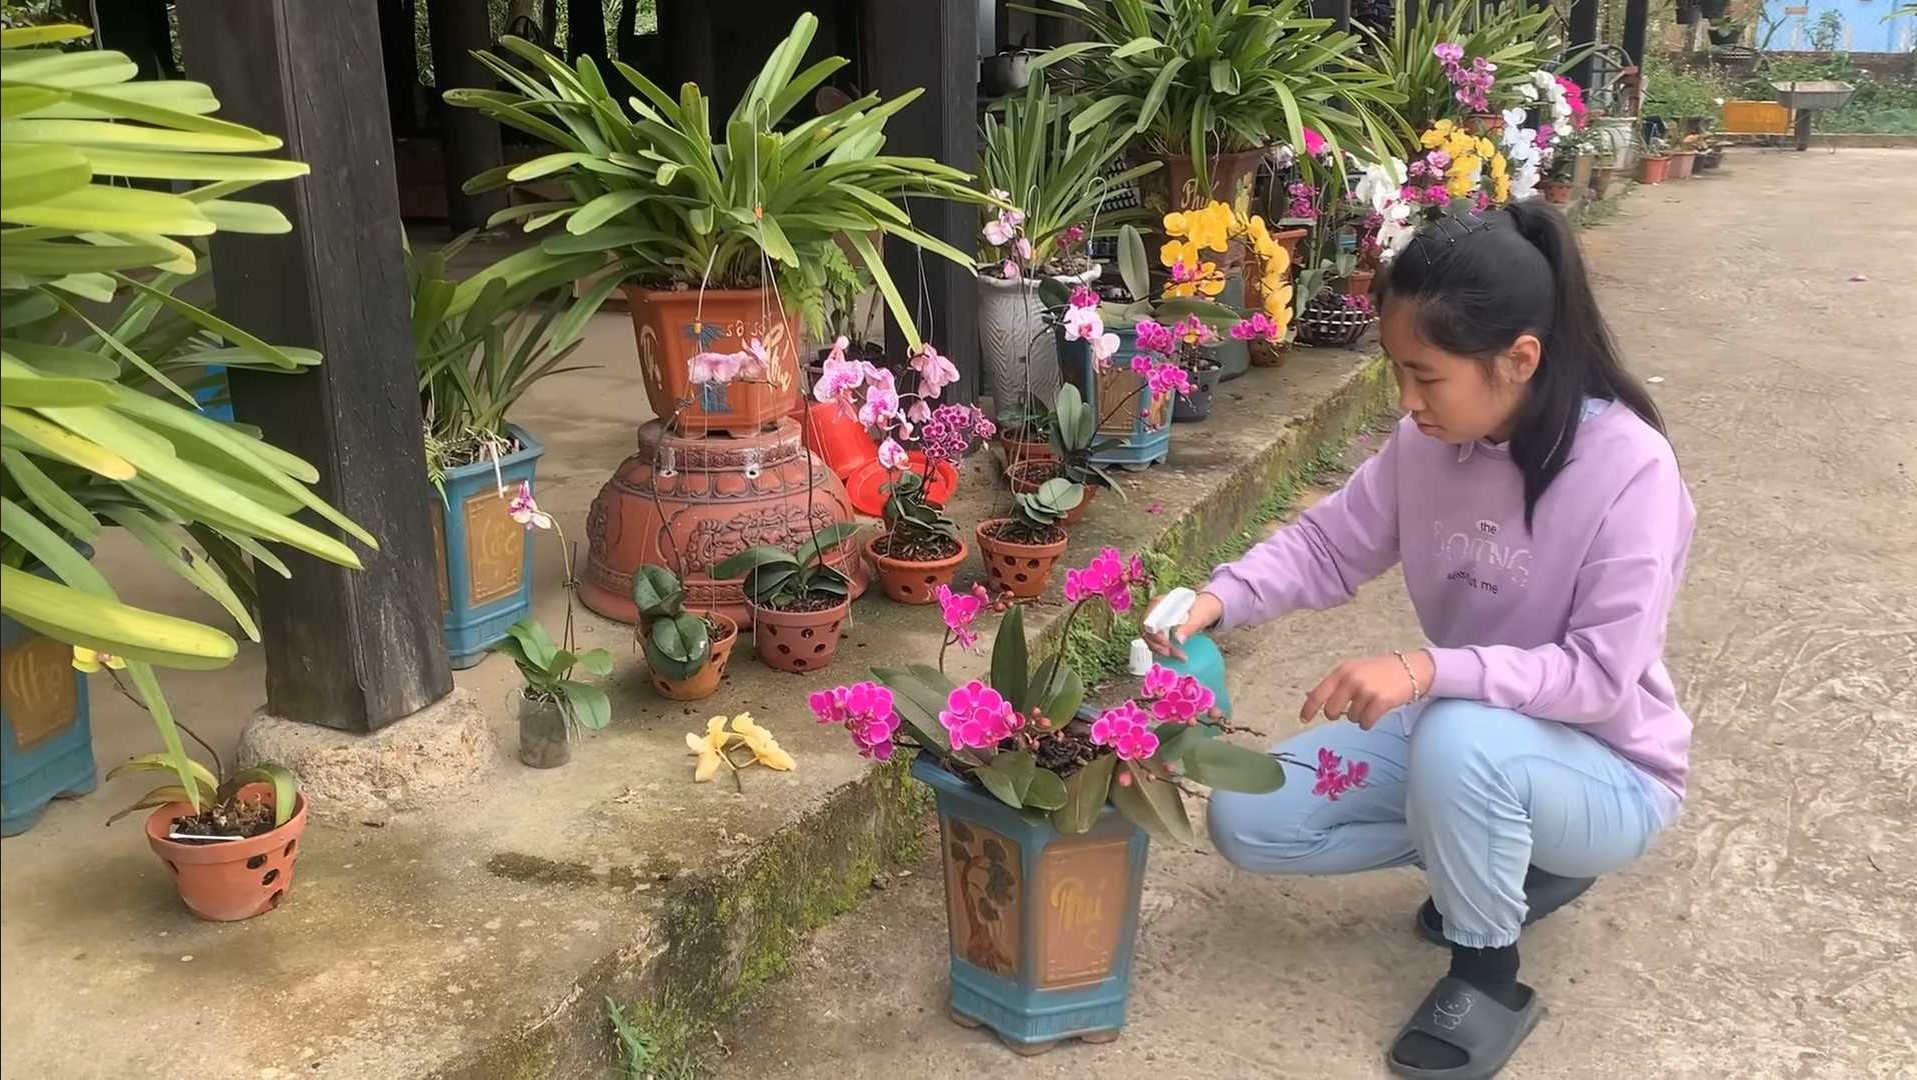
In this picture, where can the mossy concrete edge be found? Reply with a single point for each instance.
(726, 934)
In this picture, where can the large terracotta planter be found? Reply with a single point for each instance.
(688, 504)
(1175, 186)
(1043, 925)
(673, 326)
(1020, 569)
(1021, 359)
(1683, 163)
(234, 880)
(705, 682)
(1013, 451)
(798, 641)
(1028, 476)
(914, 582)
(485, 557)
(46, 742)
(1653, 170)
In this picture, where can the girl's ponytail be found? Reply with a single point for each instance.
(1481, 281)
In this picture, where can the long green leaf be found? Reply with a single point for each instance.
(1152, 805)
(285, 788)
(1086, 793)
(1010, 661)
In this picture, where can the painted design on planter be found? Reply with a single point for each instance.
(649, 365)
(41, 692)
(1116, 385)
(495, 548)
(982, 889)
(1084, 883)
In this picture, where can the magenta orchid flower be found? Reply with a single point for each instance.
(961, 610)
(865, 709)
(525, 511)
(978, 717)
(1108, 576)
(1127, 730)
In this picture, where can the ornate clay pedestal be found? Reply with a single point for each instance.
(689, 503)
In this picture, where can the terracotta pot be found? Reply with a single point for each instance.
(1175, 186)
(689, 504)
(673, 326)
(236, 879)
(1682, 164)
(1488, 125)
(1013, 451)
(705, 682)
(1289, 239)
(1020, 569)
(1028, 476)
(914, 582)
(798, 641)
(1359, 283)
(1653, 170)
(1269, 354)
(545, 733)
(1557, 192)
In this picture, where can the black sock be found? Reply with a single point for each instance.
(1493, 972)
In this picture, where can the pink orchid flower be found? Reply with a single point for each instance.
(892, 455)
(525, 511)
(935, 371)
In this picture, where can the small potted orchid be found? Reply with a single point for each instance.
(1046, 805)
(1186, 343)
(1074, 447)
(921, 549)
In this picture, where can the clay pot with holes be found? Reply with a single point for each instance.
(230, 880)
(1028, 476)
(723, 634)
(912, 581)
(1018, 568)
(798, 641)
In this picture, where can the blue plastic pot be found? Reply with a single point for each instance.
(485, 569)
(1142, 441)
(1043, 925)
(46, 743)
(209, 394)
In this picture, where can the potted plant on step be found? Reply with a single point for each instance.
(1074, 442)
(1046, 810)
(1020, 551)
(478, 353)
(1654, 165)
(552, 703)
(1051, 178)
(921, 549)
(1025, 434)
(713, 238)
(686, 651)
(230, 846)
(799, 603)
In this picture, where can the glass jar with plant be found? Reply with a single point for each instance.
(1207, 85)
(712, 237)
(552, 702)
(101, 425)
(230, 841)
(686, 651)
(799, 600)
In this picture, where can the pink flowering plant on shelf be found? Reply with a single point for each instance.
(1022, 731)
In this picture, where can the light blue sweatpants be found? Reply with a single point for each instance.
(1473, 794)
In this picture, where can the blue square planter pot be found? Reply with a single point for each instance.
(46, 744)
(209, 394)
(485, 563)
(1042, 925)
(1144, 441)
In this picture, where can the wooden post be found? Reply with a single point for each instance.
(1636, 19)
(469, 141)
(1338, 11)
(345, 649)
(1584, 33)
(934, 44)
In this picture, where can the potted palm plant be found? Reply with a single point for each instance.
(798, 602)
(1046, 809)
(1512, 39)
(1207, 85)
(101, 425)
(476, 359)
(1054, 178)
(713, 238)
(686, 651)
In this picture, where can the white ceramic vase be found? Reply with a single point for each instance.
(1021, 355)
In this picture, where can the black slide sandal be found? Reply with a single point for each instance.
(1543, 893)
(1481, 1028)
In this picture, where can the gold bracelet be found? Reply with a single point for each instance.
(1417, 692)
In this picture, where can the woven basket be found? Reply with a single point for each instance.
(1334, 329)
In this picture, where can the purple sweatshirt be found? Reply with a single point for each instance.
(1565, 623)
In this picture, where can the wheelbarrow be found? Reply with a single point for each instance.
(1805, 98)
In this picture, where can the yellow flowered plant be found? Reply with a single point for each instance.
(1461, 164)
(89, 661)
(1191, 233)
(714, 749)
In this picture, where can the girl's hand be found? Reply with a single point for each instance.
(1205, 613)
(1365, 690)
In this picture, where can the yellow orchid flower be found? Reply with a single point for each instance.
(1278, 305)
(1210, 228)
(711, 749)
(1210, 281)
(1178, 251)
(763, 746)
(89, 661)
(1175, 224)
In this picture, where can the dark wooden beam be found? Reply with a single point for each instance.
(586, 30)
(469, 141)
(1584, 33)
(401, 60)
(933, 44)
(1338, 11)
(1636, 19)
(345, 649)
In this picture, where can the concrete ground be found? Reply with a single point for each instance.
(475, 939)
(1772, 932)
